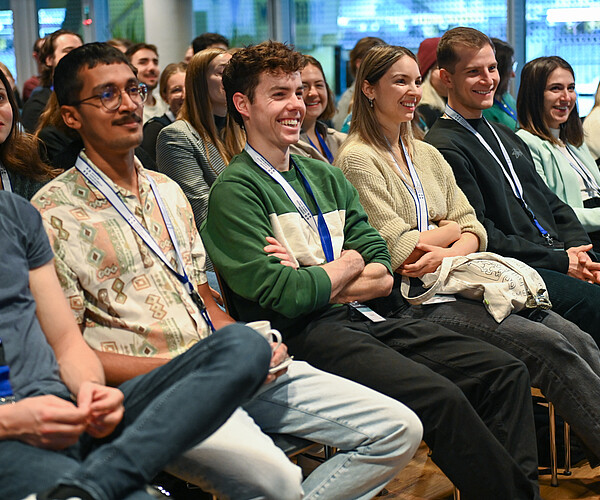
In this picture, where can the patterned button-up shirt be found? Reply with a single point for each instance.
(127, 299)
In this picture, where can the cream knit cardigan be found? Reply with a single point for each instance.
(390, 206)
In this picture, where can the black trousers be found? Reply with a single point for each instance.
(575, 300)
(473, 399)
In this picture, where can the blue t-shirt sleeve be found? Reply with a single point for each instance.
(36, 241)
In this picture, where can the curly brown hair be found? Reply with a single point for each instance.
(245, 67)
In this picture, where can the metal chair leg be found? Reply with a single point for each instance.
(553, 465)
(567, 430)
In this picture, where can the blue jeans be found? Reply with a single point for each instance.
(563, 361)
(376, 437)
(167, 411)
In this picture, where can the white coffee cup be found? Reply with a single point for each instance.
(264, 328)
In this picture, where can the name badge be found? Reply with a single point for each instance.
(367, 312)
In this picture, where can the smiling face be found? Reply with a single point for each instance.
(146, 62)
(314, 92)
(118, 131)
(396, 94)
(176, 91)
(472, 84)
(273, 118)
(6, 114)
(559, 97)
(214, 81)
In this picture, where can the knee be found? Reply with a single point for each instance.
(407, 434)
(247, 348)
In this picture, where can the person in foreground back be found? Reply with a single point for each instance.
(493, 166)
(324, 257)
(391, 170)
(63, 433)
(131, 264)
(551, 128)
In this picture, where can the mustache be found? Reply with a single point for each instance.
(131, 117)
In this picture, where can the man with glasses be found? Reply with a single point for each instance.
(131, 264)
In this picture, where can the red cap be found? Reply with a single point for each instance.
(427, 54)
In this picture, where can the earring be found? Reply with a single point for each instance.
(371, 102)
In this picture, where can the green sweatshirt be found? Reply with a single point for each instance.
(246, 205)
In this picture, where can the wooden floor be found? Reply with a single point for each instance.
(422, 480)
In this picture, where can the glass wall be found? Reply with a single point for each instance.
(241, 21)
(329, 30)
(570, 29)
(7, 49)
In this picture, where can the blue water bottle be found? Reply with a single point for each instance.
(6, 392)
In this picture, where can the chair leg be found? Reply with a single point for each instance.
(456, 493)
(328, 452)
(567, 430)
(553, 465)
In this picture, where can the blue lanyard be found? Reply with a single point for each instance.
(323, 144)
(510, 174)
(417, 194)
(321, 227)
(6, 391)
(506, 108)
(113, 198)
(6, 185)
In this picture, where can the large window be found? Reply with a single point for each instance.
(329, 30)
(242, 21)
(570, 29)
(7, 49)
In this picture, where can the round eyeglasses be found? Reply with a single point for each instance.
(111, 96)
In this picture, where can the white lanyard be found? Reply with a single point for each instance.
(6, 185)
(113, 198)
(590, 183)
(511, 175)
(302, 208)
(321, 227)
(418, 194)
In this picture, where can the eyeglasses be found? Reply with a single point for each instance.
(111, 96)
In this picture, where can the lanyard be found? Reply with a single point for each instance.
(113, 198)
(323, 144)
(321, 227)
(506, 108)
(6, 391)
(590, 183)
(418, 194)
(510, 174)
(6, 185)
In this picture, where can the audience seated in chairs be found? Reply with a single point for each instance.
(307, 298)
(138, 311)
(494, 168)
(389, 168)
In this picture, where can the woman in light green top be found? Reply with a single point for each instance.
(551, 127)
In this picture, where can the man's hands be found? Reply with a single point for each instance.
(104, 407)
(53, 423)
(581, 266)
(279, 356)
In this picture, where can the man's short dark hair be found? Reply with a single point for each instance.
(139, 46)
(205, 40)
(246, 65)
(67, 74)
(47, 50)
(449, 48)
